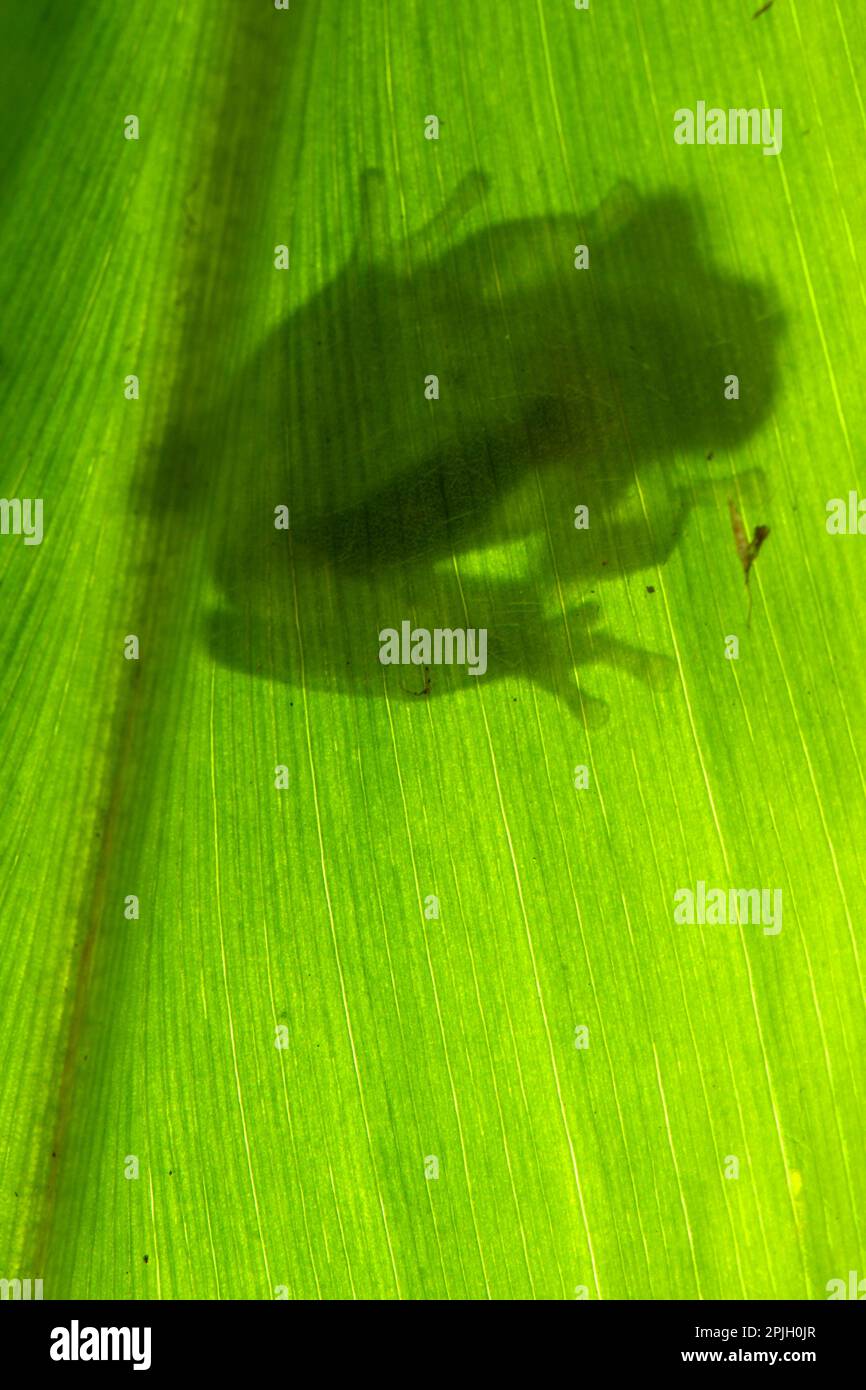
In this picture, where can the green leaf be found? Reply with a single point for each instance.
(324, 978)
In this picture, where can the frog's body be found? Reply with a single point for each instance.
(591, 373)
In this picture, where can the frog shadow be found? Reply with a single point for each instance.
(413, 441)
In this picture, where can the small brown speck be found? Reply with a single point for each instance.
(650, 588)
(145, 1258)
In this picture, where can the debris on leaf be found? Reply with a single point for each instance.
(746, 549)
(428, 684)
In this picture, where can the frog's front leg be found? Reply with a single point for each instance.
(749, 485)
(587, 644)
(641, 541)
(524, 640)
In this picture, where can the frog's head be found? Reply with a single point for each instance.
(610, 339)
(673, 363)
(691, 348)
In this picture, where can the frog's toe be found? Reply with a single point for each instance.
(654, 669)
(591, 646)
(470, 190)
(592, 712)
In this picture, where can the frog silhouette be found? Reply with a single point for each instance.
(430, 420)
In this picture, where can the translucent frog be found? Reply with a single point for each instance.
(432, 421)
